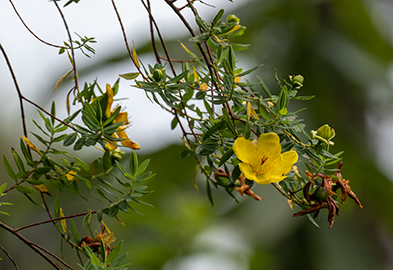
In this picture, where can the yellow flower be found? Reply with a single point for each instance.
(70, 175)
(121, 117)
(264, 163)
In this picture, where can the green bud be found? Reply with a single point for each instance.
(158, 74)
(324, 134)
(116, 155)
(232, 18)
(297, 81)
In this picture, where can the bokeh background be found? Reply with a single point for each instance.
(344, 49)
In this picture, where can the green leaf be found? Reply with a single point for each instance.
(108, 130)
(200, 38)
(174, 123)
(115, 251)
(24, 189)
(116, 263)
(60, 138)
(102, 252)
(123, 171)
(70, 139)
(214, 128)
(93, 258)
(209, 192)
(74, 231)
(248, 71)
(201, 23)
(283, 101)
(26, 153)
(102, 195)
(231, 59)
(8, 168)
(200, 95)
(228, 154)
(133, 162)
(79, 144)
(218, 16)
(304, 97)
(53, 112)
(142, 167)
(106, 160)
(18, 161)
(112, 116)
(178, 78)
(111, 211)
(2, 188)
(264, 86)
(38, 137)
(86, 221)
(129, 76)
(57, 207)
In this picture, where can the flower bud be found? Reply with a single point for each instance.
(116, 155)
(324, 134)
(158, 74)
(297, 81)
(232, 18)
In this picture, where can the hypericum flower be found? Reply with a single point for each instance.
(121, 117)
(264, 163)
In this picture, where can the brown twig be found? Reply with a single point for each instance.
(20, 96)
(33, 246)
(71, 46)
(126, 40)
(31, 31)
(55, 219)
(9, 257)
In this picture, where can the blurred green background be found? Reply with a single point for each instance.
(344, 49)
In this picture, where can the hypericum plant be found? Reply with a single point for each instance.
(239, 130)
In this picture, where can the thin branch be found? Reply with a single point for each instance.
(31, 31)
(153, 41)
(126, 40)
(20, 96)
(54, 256)
(55, 219)
(49, 114)
(160, 37)
(30, 244)
(71, 45)
(9, 257)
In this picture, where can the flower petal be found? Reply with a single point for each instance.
(268, 145)
(126, 141)
(109, 93)
(275, 179)
(244, 150)
(248, 171)
(288, 160)
(122, 117)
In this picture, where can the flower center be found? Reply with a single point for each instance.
(260, 168)
(263, 160)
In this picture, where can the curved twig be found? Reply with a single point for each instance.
(9, 257)
(31, 31)
(32, 245)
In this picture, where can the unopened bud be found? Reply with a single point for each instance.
(158, 74)
(297, 81)
(232, 18)
(116, 155)
(324, 134)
